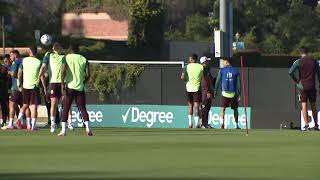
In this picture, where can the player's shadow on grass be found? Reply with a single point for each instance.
(98, 176)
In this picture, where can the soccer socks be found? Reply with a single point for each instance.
(29, 126)
(20, 116)
(11, 122)
(87, 125)
(63, 127)
(3, 120)
(20, 121)
(53, 120)
(33, 123)
(190, 120)
(196, 120)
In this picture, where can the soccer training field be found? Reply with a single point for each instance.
(114, 153)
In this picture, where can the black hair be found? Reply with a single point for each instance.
(34, 50)
(16, 52)
(303, 50)
(74, 47)
(194, 57)
(7, 56)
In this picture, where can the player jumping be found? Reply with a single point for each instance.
(229, 81)
(75, 73)
(193, 75)
(308, 68)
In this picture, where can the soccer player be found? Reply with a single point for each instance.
(16, 95)
(228, 81)
(3, 95)
(75, 73)
(45, 80)
(207, 91)
(193, 75)
(28, 73)
(308, 69)
(53, 62)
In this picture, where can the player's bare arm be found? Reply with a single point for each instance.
(88, 73)
(20, 73)
(41, 73)
(63, 76)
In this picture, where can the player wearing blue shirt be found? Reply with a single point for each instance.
(228, 81)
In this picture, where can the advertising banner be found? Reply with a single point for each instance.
(152, 116)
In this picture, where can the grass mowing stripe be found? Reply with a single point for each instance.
(120, 153)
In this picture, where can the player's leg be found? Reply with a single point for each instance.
(4, 107)
(236, 116)
(80, 98)
(35, 101)
(34, 115)
(314, 115)
(70, 123)
(190, 108)
(312, 96)
(234, 106)
(28, 118)
(55, 94)
(67, 101)
(196, 99)
(205, 113)
(53, 113)
(304, 108)
(48, 107)
(26, 97)
(12, 109)
(21, 115)
(224, 104)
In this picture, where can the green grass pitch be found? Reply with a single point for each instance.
(114, 153)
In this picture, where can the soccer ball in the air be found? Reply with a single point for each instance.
(46, 39)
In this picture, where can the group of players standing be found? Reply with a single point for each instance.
(201, 88)
(66, 77)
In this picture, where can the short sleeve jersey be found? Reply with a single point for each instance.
(14, 69)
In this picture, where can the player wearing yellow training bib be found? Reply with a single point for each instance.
(52, 62)
(29, 71)
(193, 75)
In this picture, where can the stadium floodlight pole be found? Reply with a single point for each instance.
(244, 94)
(140, 62)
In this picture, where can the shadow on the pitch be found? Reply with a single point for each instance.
(98, 176)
